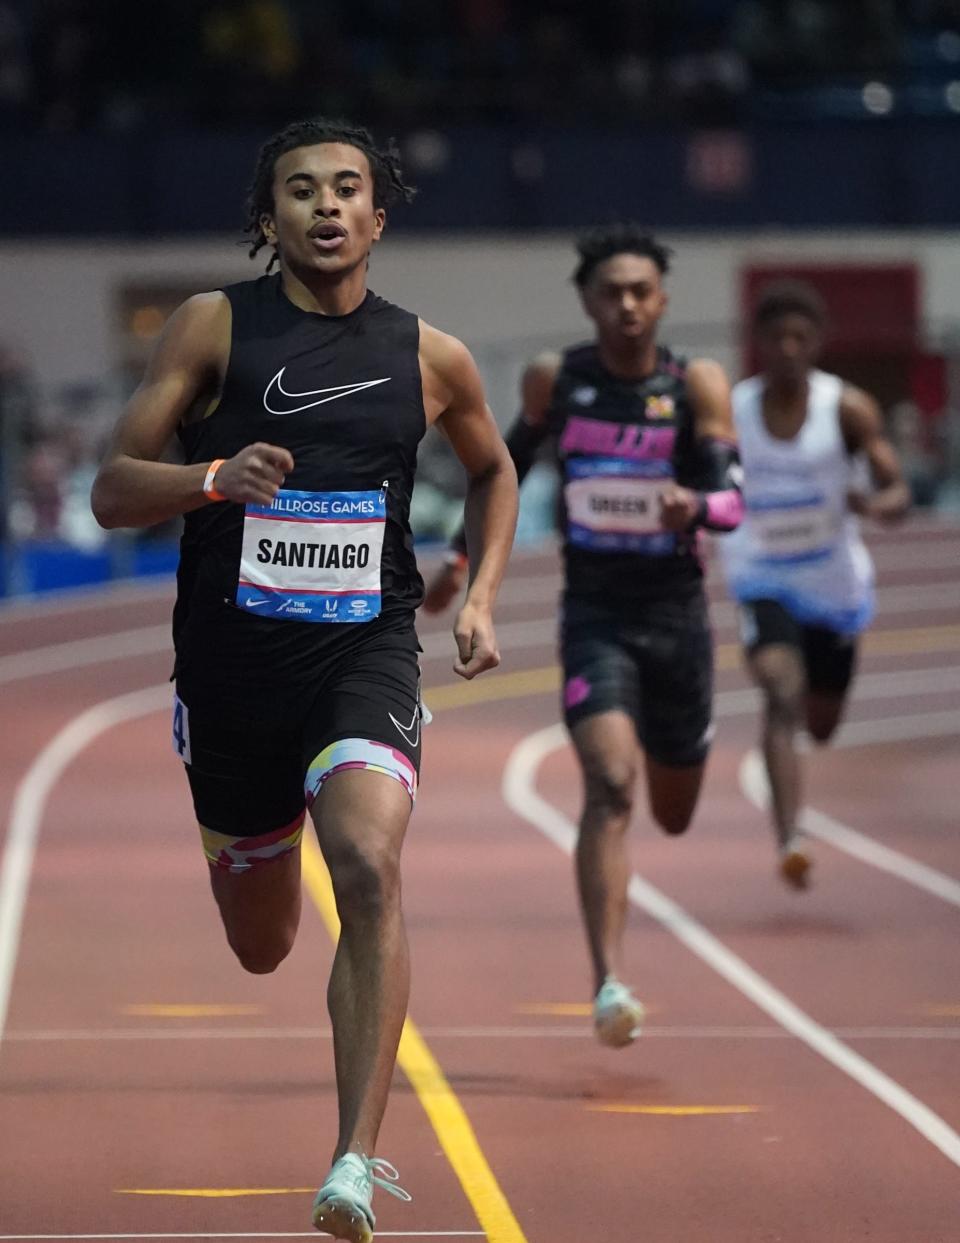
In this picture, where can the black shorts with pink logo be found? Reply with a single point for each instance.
(651, 659)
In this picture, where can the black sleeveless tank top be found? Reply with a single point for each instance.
(617, 442)
(343, 394)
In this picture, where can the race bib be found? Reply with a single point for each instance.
(614, 505)
(313, 556)
(797, 530)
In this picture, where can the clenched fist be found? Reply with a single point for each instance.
(254, 475)
(476, 642)
(678, 508)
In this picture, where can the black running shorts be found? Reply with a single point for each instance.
(251, 756)
(653, 660)
(829, 657)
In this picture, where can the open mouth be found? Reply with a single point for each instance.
(328, 236)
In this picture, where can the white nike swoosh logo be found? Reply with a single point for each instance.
(412, 731)
(332, 394)
(255, 604)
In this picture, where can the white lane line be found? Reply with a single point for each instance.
(27, 810)
(899, 728)
(60, 657)
(583, 1032)
(519, 791)
(753, 783)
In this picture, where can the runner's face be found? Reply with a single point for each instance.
(625, 298)
(788, 347)
(323, 219)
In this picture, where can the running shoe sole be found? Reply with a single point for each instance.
(343, 1219)
(622, 1028)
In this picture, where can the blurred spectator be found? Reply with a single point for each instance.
(49, 451)
(84, 64)
(17, 421)
(38, 500)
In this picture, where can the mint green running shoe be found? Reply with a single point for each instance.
(617, 1015)
(343, 1204)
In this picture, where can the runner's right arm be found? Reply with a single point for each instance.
(133, 488)
(522, 440)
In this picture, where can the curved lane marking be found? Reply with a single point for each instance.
(520, 794)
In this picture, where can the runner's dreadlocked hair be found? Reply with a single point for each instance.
(388, 183)
(617, 239)
(788, 297)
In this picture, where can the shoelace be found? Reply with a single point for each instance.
(377, 1165)
(372, 1168)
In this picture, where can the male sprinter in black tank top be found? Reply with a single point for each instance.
(645, 447)
(300, 399)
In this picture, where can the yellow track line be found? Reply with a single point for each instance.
(676, 1111)
(568, 1009)
(916, 639)
(169, 1010)
(561, 1009)
(214, 1193)
(435, 1094)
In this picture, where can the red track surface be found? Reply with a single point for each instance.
(101, 1093)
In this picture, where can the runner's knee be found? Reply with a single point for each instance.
(609, 789)
(366, 879)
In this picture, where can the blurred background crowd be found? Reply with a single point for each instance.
(71, 65)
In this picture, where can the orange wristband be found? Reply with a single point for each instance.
(208, 489)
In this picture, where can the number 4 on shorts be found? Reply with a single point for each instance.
(181, 729)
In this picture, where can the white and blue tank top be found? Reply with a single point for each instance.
(798, 543)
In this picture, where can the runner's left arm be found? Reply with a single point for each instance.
(454, 399)
(862, 424)
(717, 504)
